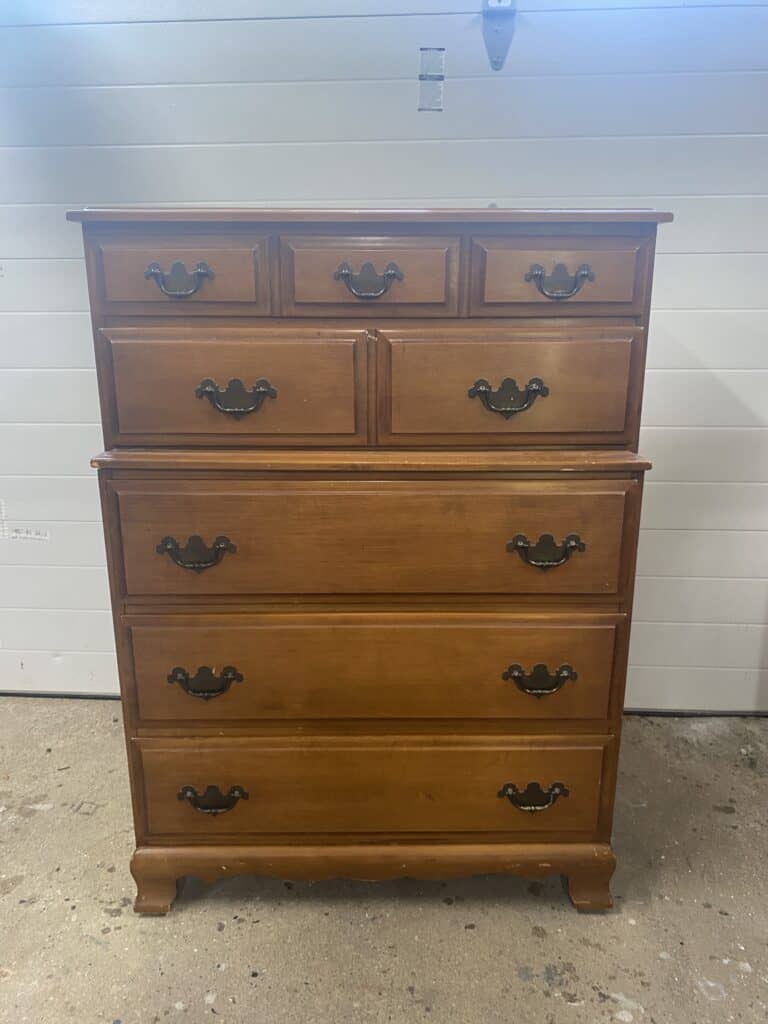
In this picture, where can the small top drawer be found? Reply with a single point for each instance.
(185, 276)
(570, 276)
(336, 275)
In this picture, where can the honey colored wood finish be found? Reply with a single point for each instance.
(344, 786)
(300, 389)
(244, 215)
(586, 867)
(430, 383)
(340, 537)
(378, 665)
(370, 624)
(565, 463)
(237, 282)
(504, 276)
(411, 276)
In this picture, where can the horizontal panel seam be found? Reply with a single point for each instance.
(703, 668)
(239, 21)
(387, 142)
(686, 622)
(404, 79)
(289, 204)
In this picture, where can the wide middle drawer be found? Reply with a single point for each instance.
(511, 385)
(335, 536)
(237, 386)
(207, 670)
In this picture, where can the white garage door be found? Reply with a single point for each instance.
(601, 103)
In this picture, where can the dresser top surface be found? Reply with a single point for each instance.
(255, 214)
(565, 461)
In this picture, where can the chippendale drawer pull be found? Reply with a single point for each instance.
(559, 284)
(509, 399)
(545, 554)
(533, 798)
(235, 399)
(367, 284)
(539, 681)
(178, 283)
(212, 801)
(205, 684)
(195, 555)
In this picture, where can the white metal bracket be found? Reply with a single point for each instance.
(498, 29)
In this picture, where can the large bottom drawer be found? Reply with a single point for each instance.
(365, 785)
(227, 536)
(206, 670)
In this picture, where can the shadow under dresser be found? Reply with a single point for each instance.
(371, 496)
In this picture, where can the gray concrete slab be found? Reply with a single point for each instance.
(686, 944)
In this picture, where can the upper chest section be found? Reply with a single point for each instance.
(462, 328)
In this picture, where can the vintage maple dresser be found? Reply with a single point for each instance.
(371, 499)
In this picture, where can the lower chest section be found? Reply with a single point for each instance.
(372, 654)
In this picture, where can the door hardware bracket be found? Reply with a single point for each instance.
(498, 29)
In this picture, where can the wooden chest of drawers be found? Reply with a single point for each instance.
(371, 499)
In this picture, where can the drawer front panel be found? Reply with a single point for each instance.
(352, 787)
(248, 387)
(185, 276)
(513, 386)
(559, 277)
(340, 537)
(203, 670)
(341, 276)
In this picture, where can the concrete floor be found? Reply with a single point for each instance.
(686, 944)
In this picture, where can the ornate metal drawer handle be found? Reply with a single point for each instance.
(539, 681)
(545, 554)
(509, 399)
(212, 801)
(559, 284)
(367, 284)
(205, 684)
(533, 798)
(195, 555)
(235, 400)
(178, 283)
